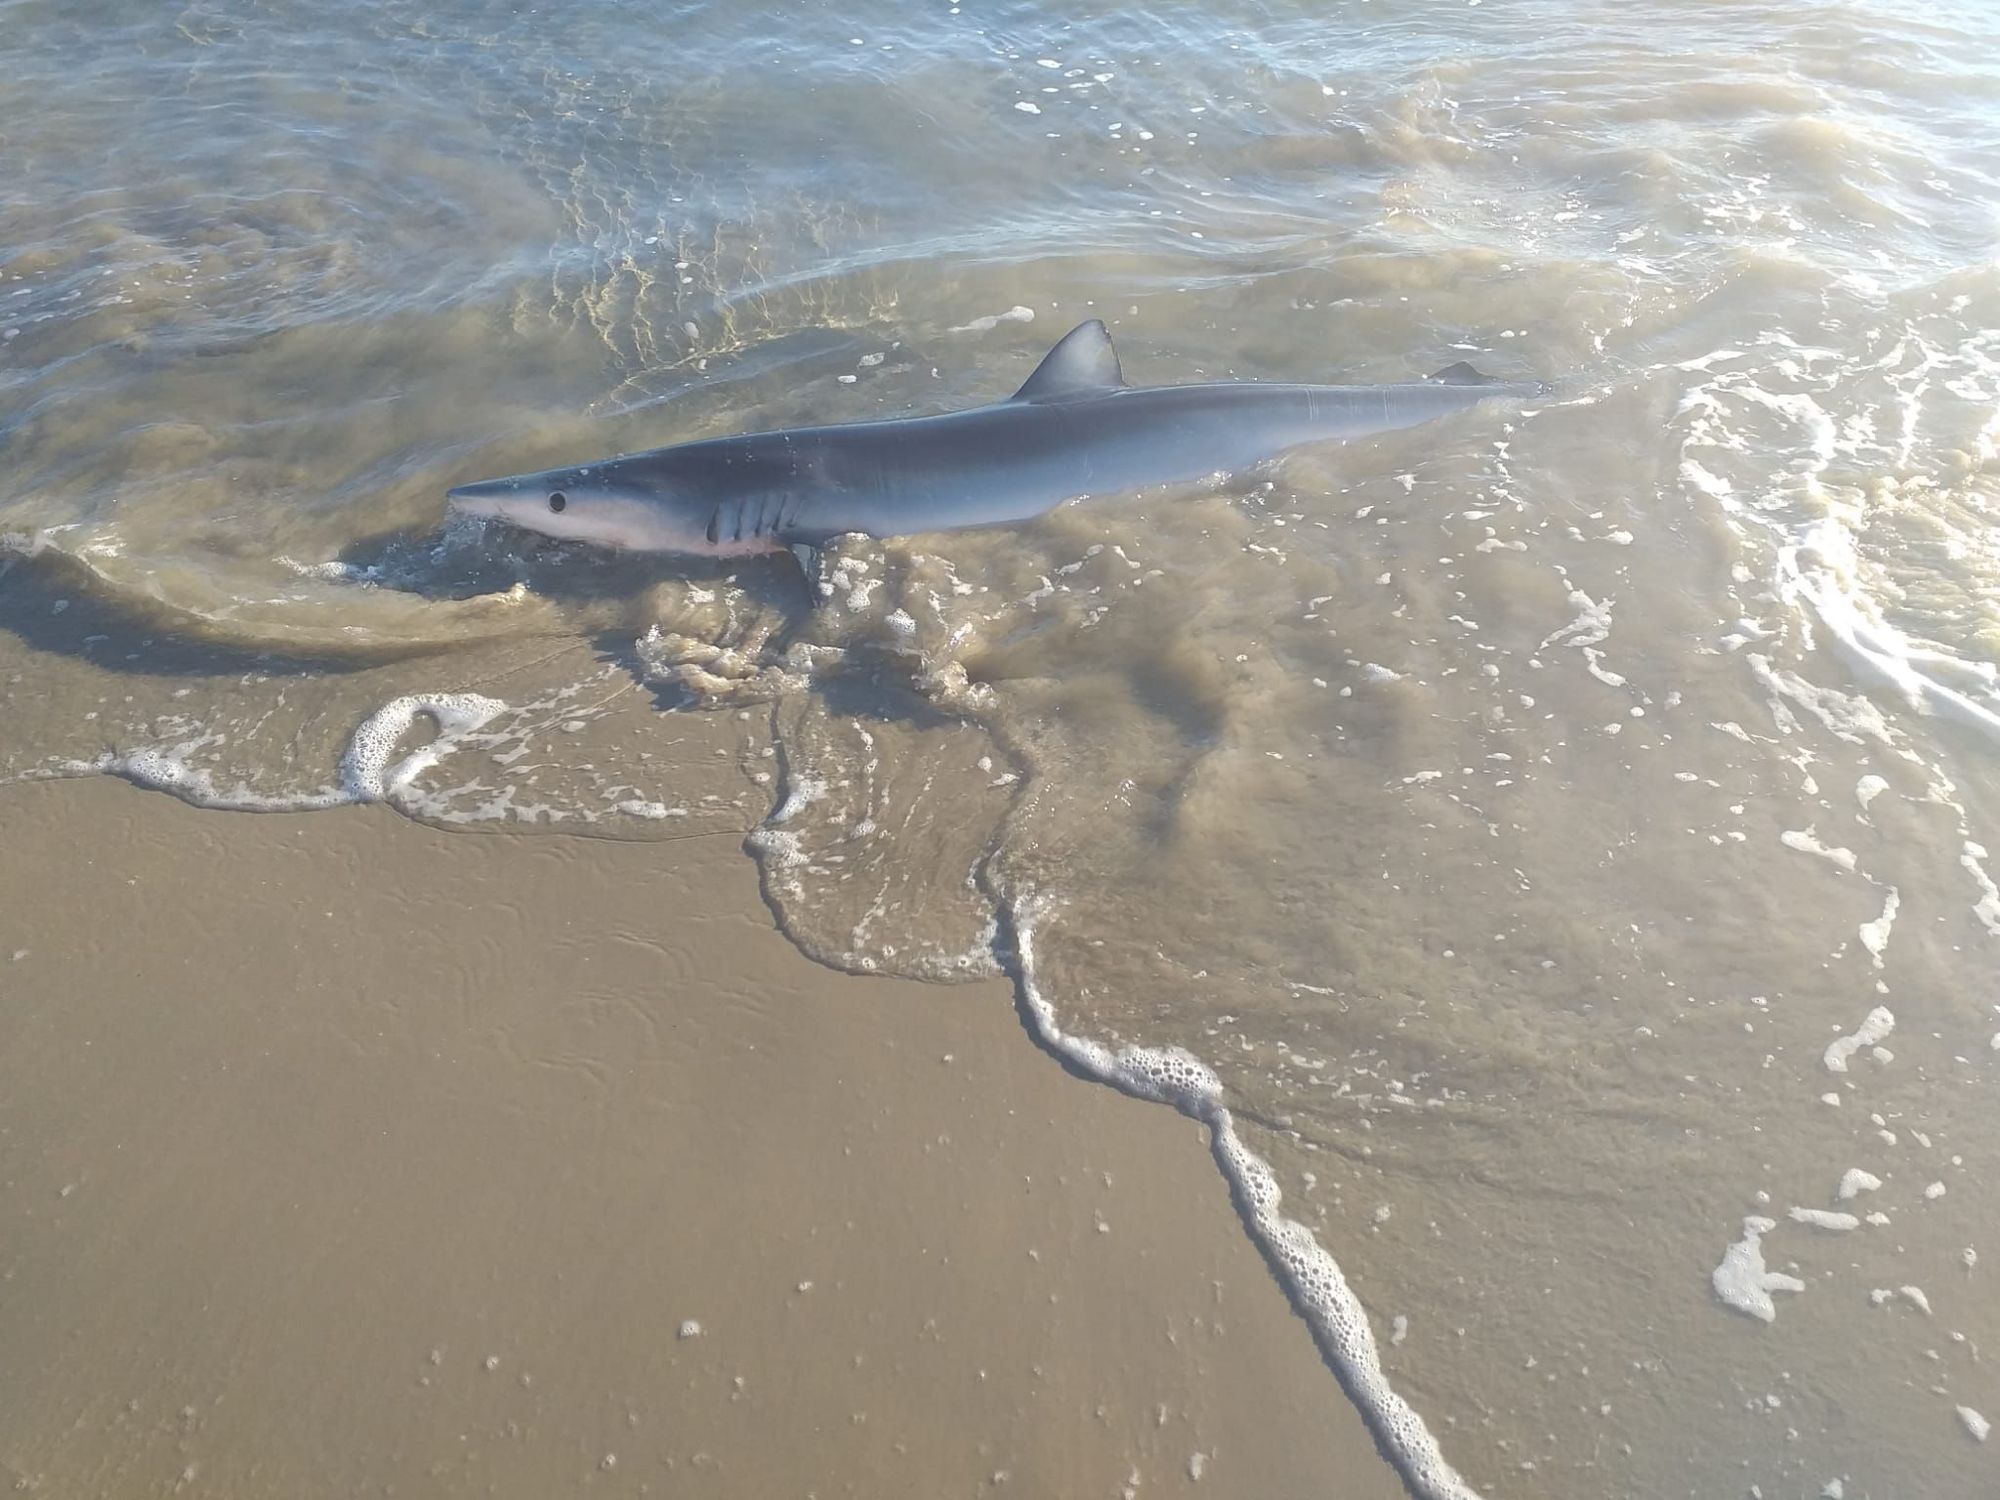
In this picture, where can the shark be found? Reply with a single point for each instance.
(1074, 430)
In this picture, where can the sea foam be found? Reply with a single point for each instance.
(1339, 1323)
(370, 770)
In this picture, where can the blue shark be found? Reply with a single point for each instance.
(1074, 430)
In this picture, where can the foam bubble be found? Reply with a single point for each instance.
(1878, 1023)
(1591, 626)
(169, 768)
(1855, 1181)
(993, 320)
(1806, 841)
(366, 771)
(1824, 1218)
(1742, 1280)
(1875, 935)
(1987, 908)
(638, 808)
(801, 792)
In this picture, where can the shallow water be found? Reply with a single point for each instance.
(1510, 811)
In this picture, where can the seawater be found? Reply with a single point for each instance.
(1555, 849)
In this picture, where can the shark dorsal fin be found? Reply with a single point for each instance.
(1082, 364)
(1461, 373)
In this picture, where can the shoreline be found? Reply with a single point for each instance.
(351, 1153)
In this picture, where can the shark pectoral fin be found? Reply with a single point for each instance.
(1461, 373)
(812, 563)
(1082, 364)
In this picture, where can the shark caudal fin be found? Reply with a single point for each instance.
(1465, 374)
(1083, 364)
(1462, 373)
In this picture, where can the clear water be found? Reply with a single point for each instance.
(1510, 811)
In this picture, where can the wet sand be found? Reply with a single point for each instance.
(345, 1155)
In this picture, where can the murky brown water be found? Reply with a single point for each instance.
(1511, 811)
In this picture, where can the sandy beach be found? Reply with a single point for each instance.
(549, 994)
(345, 1155)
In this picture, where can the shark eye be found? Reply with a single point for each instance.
(557, 501)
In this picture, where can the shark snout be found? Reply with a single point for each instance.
(568, 504)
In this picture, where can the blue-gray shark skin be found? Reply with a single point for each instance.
(1075, 429)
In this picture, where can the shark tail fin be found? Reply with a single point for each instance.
(1462, 373)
